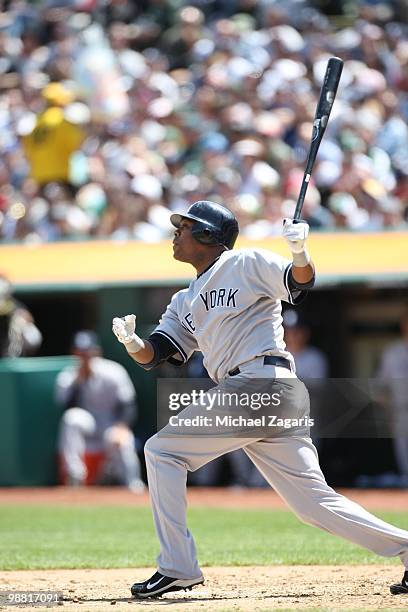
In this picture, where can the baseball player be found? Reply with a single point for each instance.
(231, 312)
(393, 374)
(100, 405)
(19, 336)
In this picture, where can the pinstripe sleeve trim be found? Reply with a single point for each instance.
(174, 343)
(286, 282)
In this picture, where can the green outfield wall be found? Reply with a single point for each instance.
(29, 420)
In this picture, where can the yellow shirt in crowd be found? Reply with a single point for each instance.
(49, 146)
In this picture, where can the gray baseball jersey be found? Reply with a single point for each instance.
(231, 311)
(102, 394)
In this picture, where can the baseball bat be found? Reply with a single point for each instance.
(323, 109)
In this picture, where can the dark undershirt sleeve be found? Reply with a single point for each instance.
(298, 291)
(164, 350)
(126, 412)
(72, 400)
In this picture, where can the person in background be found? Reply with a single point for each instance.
(393, 374)
(54, 137)
(100, 406)
(19, 335)
(310, 361)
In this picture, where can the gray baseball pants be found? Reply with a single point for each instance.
(289, 463)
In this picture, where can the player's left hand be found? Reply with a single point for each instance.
(124, 328)
(295, 234)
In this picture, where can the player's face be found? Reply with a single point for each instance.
(184, 245)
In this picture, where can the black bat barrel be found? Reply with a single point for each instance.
(323, 109)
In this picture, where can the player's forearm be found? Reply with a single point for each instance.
(144, 354)
(303, 274)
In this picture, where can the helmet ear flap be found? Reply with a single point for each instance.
(206, 236)
(203, 234)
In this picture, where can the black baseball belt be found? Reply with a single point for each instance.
(268, 360)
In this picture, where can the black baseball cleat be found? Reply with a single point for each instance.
(401, 587)
(158, 585)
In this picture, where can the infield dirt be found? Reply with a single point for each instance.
(226, 588)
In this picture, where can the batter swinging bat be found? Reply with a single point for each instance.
(324, 106)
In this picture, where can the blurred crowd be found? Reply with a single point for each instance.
(112, 113)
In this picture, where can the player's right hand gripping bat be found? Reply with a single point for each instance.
(324, 106)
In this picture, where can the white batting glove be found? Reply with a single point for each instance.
(124, 330)
(295, 235)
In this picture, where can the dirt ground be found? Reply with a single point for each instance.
(372, 499)
(225, 588)
(246, 589)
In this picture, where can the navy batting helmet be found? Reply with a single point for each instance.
(213, 223)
